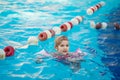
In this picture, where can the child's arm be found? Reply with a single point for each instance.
(41, 55)
(76, 56)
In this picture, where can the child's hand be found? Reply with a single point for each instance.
(79, 53)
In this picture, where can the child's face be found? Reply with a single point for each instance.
(63, 47)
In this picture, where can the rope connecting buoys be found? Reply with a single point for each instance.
(75, 21)
(9, 51)
(57, 30)
(102, 25)
(32, 40)
(91, 10)
(117, 26)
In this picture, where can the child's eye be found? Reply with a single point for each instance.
(61, 45)
(67, 45)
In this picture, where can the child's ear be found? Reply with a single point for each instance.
(56, 48)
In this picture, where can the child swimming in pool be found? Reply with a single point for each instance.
(63, 55)
(62, 47)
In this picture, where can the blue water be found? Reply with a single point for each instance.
(21, 19)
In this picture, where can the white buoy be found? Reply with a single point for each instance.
(102, 3)
(104, 25)
(80, 18)
(95, 8)
(32, 40)
(89, 11)
(92, 24)
(49, 35)
(75, 21)
(2, 54)
(57, 30)
(68, 25)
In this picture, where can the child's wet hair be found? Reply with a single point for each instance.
(59, 39)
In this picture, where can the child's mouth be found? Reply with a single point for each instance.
(64, 51)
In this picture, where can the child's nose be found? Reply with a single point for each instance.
(65, 47)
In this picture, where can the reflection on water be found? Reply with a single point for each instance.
(109, 42)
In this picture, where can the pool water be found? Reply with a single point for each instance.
(21, 19)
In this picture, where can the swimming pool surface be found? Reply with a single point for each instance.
(20, 19)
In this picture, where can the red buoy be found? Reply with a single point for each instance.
(98, 26)
(78, 20)
(42, 36)
(70, 24)
(98, 6)
(9, 51)
(52, 32)
(92, 9)
(63, 27)
(117, 26)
